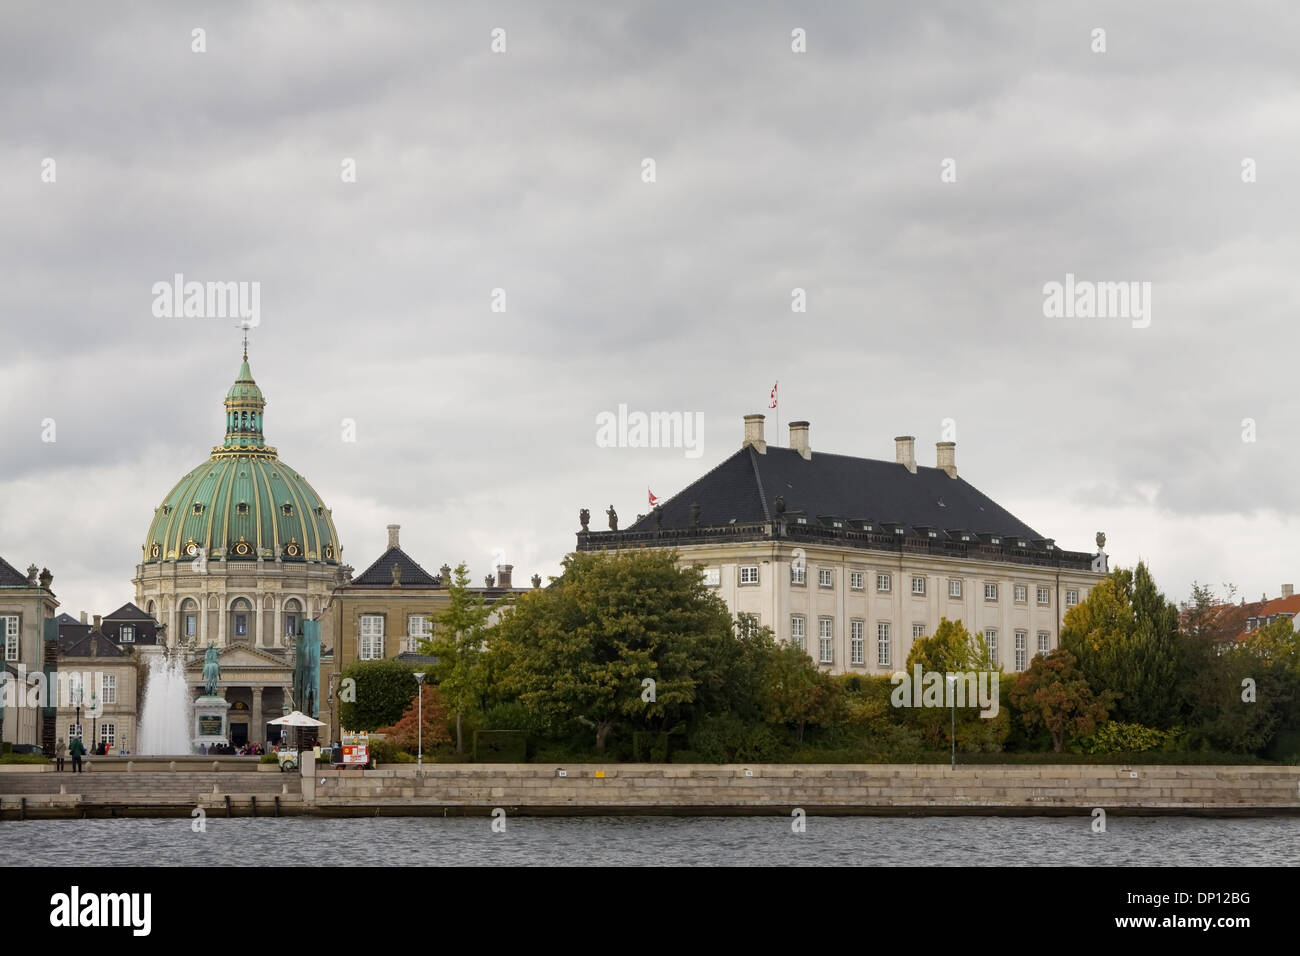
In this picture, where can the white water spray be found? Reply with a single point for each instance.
(167, 715)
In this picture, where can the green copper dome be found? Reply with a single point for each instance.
(244, 502)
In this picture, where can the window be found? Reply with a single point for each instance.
(713, 577)
(798, 573)
(418, 627)
(10, 637)
(825, 578)
(108, 688)
(1045, 596)
(918, 585)
(75, 693)
(241, 624)
(74, 730)
(991, 638)
(198, 507)
(882, 582)
(372, 637)
(1044, 642)
(749, 574)
(855, 643)
(954, 587)
(127, 634)
(1071, 598)
(107, 733)
(242, 508)
(191, 625)
(1022, 594)
(990, 592)
(798, 630)
(882, 644)
(855, 580)
(286, 509)
(291, 625)
(918, 631)
(825, 633)
(1022, 649)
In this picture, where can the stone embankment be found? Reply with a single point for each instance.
(617, 789)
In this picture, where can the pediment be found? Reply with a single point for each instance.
(240, 657)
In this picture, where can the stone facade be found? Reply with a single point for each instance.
(26, 604)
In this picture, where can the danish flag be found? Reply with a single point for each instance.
(773, 405)
(654, 502)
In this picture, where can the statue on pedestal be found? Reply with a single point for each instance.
(211, 670)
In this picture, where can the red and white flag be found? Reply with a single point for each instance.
(773, 405)
(654, 502)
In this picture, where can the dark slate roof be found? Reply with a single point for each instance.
(744, 488)
(381, 572)
(80, 646)
(128, 612)
(70, 632)
(10, 576)
(63, 619)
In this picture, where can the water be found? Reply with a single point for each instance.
(166, 717)
(656, 841)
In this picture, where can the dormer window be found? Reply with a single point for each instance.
(242, 508)
(933, 534)
(800, 520)
(286, 509)
(127, 634)
(198, 507)
(996, 540)
(965, 537)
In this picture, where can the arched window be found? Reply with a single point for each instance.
(189, 620)
(240, 626)
(292, 617)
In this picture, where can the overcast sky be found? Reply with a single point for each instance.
(774, 170)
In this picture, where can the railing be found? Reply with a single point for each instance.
(837, 537)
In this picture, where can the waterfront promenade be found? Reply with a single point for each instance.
(150, 787)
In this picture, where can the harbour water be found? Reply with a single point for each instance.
(656, 841)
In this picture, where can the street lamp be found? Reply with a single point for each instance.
(419, 723)
(94, 715)
(952, 694)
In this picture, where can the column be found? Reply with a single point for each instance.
(202, 610)
(257, 728)
(278, 636)
(172, 636)
(257, 620)
(222, 614)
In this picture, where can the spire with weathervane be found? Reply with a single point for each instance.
(244, 405)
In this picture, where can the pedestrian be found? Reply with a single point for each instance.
(60, 748)
(77, 749)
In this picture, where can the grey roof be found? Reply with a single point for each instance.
(79, 645)
(744, 488)
(128, 612)
(380, 574)
(10, 576)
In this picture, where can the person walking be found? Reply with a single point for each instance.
(60, 748)
(77, 749)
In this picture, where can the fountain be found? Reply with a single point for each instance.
(165, 717)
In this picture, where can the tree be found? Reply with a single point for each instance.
(379, 695)
(949, 650)
(460, 633)
(405, 733)
(796, 692)
(1054, 694)
(1125, 638)
(582, 649)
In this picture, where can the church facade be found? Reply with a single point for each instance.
(240, 553)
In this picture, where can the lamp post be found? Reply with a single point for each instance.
(952, 694)
(94, 715)
(419, 723)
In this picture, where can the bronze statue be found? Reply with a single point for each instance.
(211, 670)
(613, 518)
(585, 517)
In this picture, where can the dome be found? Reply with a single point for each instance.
(243, 502)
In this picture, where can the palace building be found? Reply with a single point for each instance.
(853, 558)
(240, 553)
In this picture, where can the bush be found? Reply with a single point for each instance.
(1116, 737)
(269, 758)
(386, 750)
(10, 757)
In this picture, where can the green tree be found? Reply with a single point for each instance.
(1125, 638)
(582, 649)
(378, 694)
(1055, 694)
(950, 649)
(459, 639)
(796, 692)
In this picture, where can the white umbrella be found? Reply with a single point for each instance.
(298, 719)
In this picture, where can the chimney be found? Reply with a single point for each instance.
(83, 617)
(97, 621)
(1288, 590)
(799, 440)
(947, 457)
(905, 451)
(503, 575)
(392, 535)
(754, 434)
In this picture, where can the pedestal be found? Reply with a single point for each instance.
(211, 721)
